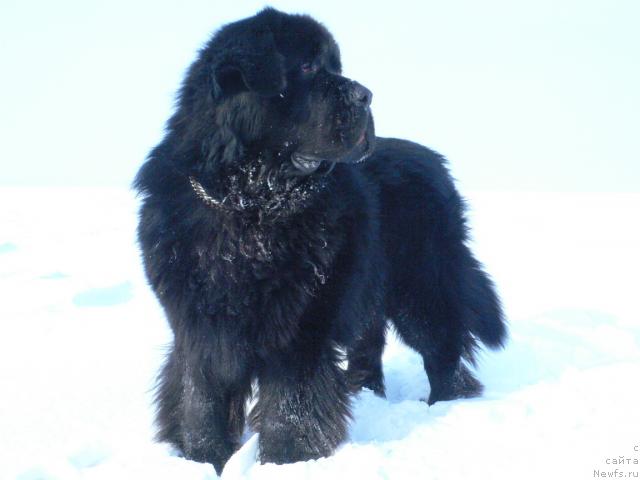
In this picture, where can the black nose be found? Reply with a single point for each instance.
(359, 95)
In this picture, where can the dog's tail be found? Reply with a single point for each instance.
(483, 313)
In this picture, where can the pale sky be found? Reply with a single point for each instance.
(519, 95)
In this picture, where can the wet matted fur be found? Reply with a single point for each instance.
(276, 230)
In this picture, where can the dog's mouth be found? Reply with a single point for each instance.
(307, 163)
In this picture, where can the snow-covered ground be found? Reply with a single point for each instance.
(82, 338)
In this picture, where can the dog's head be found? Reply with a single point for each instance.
(272, 85)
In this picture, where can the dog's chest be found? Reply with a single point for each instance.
(269, 256)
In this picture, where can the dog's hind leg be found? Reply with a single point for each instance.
(365, 358)
(444, 305)
(434, 330)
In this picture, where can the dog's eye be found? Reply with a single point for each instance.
(308, 67)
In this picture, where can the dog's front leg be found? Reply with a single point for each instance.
(212, 412)
(303, 405)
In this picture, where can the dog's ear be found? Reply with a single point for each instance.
(252, 63)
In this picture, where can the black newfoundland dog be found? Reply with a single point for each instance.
(278, 233)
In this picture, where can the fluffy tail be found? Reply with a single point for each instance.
(483, 312)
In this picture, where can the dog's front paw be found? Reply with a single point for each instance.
(285, 448)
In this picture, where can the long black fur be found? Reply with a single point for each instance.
(282, 269)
